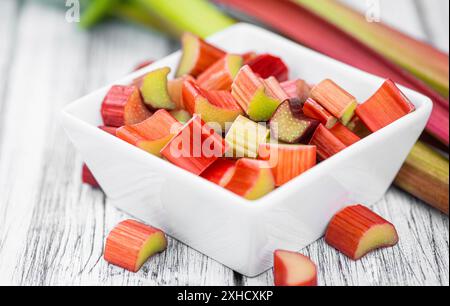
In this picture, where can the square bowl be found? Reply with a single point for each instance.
(238, 233)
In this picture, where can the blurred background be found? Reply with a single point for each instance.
(54, 51)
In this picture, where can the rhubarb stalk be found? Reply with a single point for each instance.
(421, 59)
(425, 175)
(334, 42)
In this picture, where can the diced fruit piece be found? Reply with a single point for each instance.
(314, 110)
(387, 105)
(249, 56)
(130, 244)
(288, 161)
(123, 105)
(274, 89)
(336, 100)
(196, 147)
(220, 76)
(297, 89)
(267, 65)
(197, 56)
(346, 136)
(327, 144)
(358, 127)
(220, 172)
(154, 90)
(88, 178)
(215, 107)
(356, 231)
(290, 125)
(175, 88)
(294, 270)
(244, 138)
(181, 115)
(252, 179)
(250, 92)
(152, 134)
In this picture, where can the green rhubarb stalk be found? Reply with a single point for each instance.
(424, 61)
(425, 175)
(96, 11)
(134, 12)
(196, 16)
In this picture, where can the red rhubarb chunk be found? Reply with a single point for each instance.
(327, 144)
(88, 178)
(342, 133)
(196, 147)
(387, 105)
(123, 105)
(355, 231)
(294, 270)
(267, 65)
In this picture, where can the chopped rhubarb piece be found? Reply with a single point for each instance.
(109, 129)
(288, 161)
(130, 244)
(196, 147)
(274, 89)
(346, 136)
(197, 56)
(215, 107)
(294, 270)
(267, 65)
(220, 172)
(387, 105)
(290, 125)
(327, 144)
(123, 105)
(336, 100)
(152, 134)
(88, 178)
(181, 115)
(314, 110)
(155, 91)
(249, 56)
(244, 138)
(357, 231)
(358, 127)
(220, 76)
(250, 92)
(252, 179)
(297, 89)
(175, 88)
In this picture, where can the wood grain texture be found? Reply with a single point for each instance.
(52, 229)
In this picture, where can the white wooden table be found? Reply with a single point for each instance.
(52, 228)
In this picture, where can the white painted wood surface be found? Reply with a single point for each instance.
(52, 228)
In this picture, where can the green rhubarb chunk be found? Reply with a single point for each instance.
(154, 90)
(181, 115)
(244, 138)
(262, 107)
(349, 113)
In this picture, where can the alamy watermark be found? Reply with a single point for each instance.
(373, 11)
(73, 11)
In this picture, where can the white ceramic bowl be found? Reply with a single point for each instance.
(238, 233)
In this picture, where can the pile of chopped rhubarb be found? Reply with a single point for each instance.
(239, 121)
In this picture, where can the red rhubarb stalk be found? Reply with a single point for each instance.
(288, 18)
